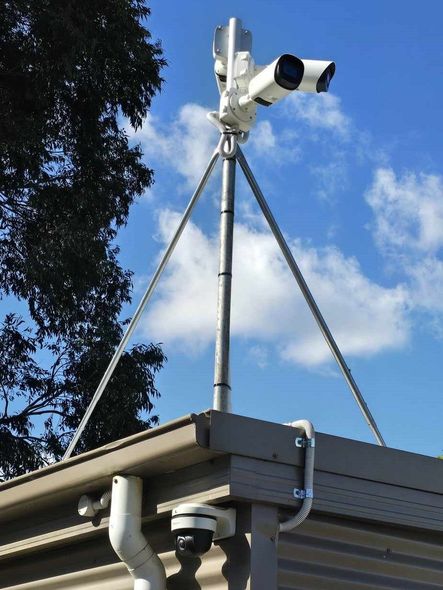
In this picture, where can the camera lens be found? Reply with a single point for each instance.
(325, 78)
(289, 71)
(193, 542)
(181, 543)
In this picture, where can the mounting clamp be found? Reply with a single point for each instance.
(302, 494)
(303, 443)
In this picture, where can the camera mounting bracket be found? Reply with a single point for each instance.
(220, 520)
(220, 47)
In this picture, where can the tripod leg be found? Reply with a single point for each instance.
(309, 298)
(141, 306)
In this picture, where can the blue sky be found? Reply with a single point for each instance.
(355, 180)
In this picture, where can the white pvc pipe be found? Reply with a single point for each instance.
(127, 538)
(305, 509)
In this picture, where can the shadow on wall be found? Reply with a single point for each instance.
(234, 569)
(185, 577)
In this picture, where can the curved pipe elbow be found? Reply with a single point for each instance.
(306, 426)
(127, 538)
(301, 516)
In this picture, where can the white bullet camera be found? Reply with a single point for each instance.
(195, 526)
(288, 73)
(243, 84)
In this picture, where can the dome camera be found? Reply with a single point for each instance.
(196, 526)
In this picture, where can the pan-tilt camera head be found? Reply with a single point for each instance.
(196, 526)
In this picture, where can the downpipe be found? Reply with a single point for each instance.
(127, 538)
(307, 494)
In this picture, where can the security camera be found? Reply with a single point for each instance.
(266, 85)
(275, 81)
(317, 75)
(196, 526)
(243, 84)
(286, 74)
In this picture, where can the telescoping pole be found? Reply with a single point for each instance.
(222, 385)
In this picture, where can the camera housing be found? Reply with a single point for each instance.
(196, 526)
(276, 81)
(266, 85)
(286, 74)
(317, 75)
(243, 84)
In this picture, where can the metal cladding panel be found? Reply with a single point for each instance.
(328, 554)
(77, 561)
(45, 572)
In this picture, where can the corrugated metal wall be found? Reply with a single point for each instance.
(115, 576)
(92, 565)
(329, 554)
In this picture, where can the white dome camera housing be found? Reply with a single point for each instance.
(196, 526)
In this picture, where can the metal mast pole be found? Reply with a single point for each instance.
(222, 385)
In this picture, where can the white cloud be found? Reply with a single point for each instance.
(267, 306)
(332, 176)
(408, 228)
(327, 129)
(188, 292)
(321, 111)
(263, 137)
(364, 317)
(427, 283)
(259, 355)
(408, 211)
(267, 144)
(185, 144)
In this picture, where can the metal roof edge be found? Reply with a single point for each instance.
(200, 437)
(239, 435)
(108, 448)
(174, 445)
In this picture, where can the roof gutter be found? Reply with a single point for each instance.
(151, 452)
